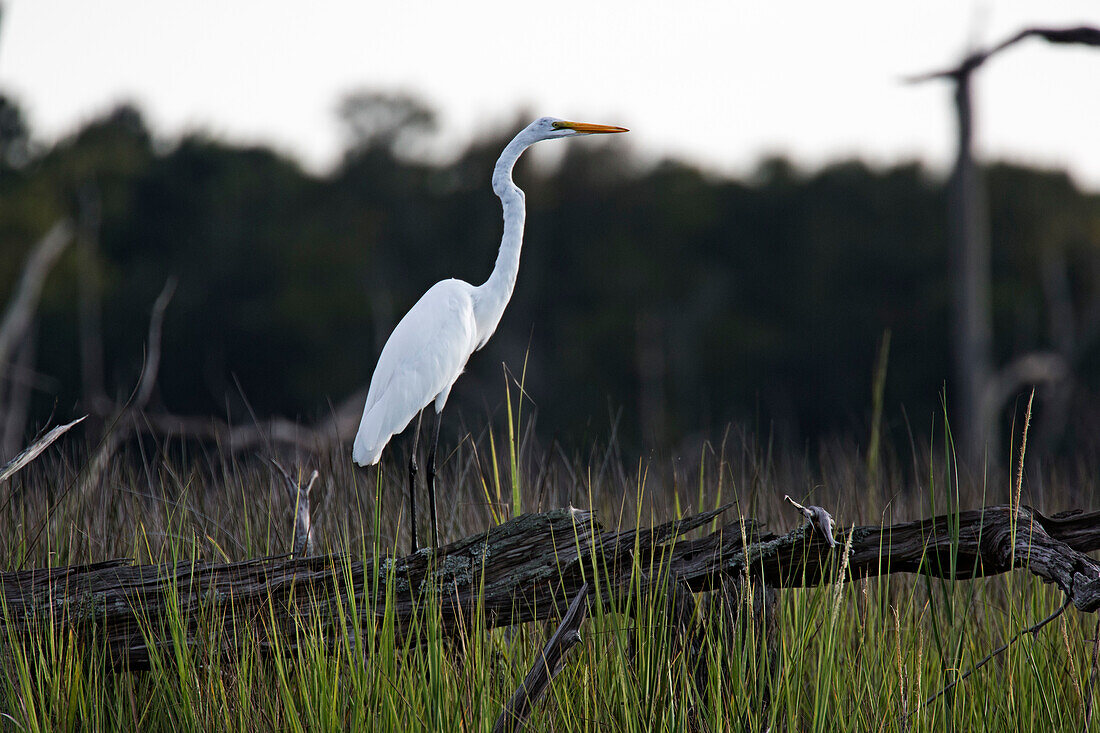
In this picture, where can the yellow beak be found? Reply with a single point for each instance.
(588, 128)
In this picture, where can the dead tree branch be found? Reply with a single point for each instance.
(546, 667)
(820, 519)
(525, 569)
(1033, 629)
(21, 308)
(340, 425)
(152, 350)
(302, 538)
(125, 417)
(1081, 35)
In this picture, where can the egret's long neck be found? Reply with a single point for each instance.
(494, 294)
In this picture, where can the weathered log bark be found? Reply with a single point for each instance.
(528, 568)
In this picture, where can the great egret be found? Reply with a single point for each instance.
(428, 349)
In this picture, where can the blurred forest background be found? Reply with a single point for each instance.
(656, 302)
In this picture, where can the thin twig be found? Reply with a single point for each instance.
(989, 657)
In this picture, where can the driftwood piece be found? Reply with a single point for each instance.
(528, 568)
(546, 667)
(302, 538)
(818, 517)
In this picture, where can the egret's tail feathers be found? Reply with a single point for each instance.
(370, 440)
(375, 430)
(366, 454)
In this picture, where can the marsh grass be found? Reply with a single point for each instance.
(859, 656)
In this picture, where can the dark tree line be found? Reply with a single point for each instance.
(655, 294)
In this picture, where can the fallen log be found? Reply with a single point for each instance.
(529, 569)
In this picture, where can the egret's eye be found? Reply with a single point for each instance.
(559, 125)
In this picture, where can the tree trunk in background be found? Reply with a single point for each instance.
(973, 421)
(978, 393)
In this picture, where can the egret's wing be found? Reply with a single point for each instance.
(423, 356)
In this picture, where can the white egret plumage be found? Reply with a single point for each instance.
(428, 349)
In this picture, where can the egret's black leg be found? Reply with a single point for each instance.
(412, 480)
(431, 477)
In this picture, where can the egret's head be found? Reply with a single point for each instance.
(546, 128)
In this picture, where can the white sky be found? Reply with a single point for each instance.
(720, 83)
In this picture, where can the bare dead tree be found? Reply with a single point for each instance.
(16, 335)
(1073, 332)
(979, 393)
(127, 419)
(340, 425)
(24, 303)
